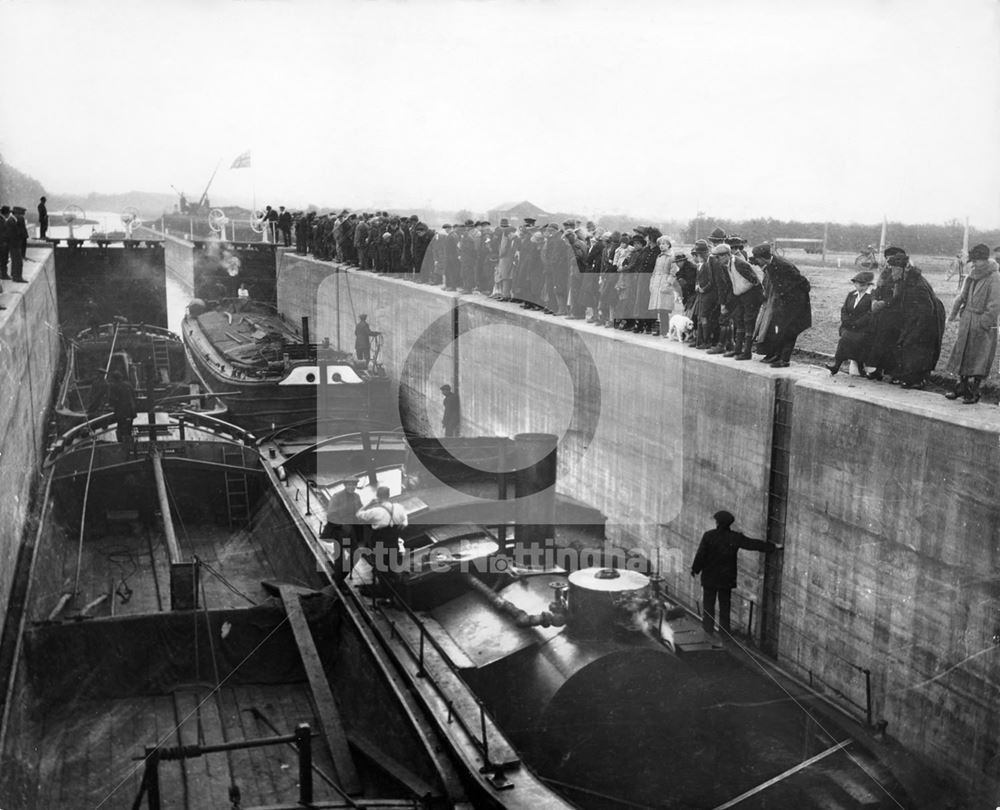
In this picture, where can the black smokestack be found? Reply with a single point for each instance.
(535, 489)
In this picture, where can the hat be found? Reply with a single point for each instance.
(724, 518)
(892, 251)
(18, 209)
(735, 241)
(718, 233)
(653, 233)
(469, 223)
(761, 251)
(504, 222)
(638, 237)
(446, 227)
(446, 387)
(864, 277)
(529, 220)
(722, 249)
(898, 260)
(978, 253)
(680, 256)
(414, 218)
(701, 246)
(569, 223)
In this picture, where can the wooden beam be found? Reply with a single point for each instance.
(326, 707)
(168, 524)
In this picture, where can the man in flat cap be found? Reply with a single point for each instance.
(18, 245)
(452, 420)
(706, 302)
(363, 334)
(786, 311)
(716, 562)
(341, 522)
(976, 309)
(855, 324)
(740, 298)
(6, 238)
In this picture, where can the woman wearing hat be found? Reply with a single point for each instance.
(976, 309)
(661, 285)
(921, 325)
(855, 324)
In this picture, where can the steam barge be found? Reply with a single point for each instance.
(178, 647)
(575, 684)
(270, 376)
(150, 358)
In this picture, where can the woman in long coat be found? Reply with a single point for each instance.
(921, 323)
(881, 351)
(661, 285)
(786, 312)
(976, 309)
(627, 283)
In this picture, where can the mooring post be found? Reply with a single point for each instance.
(303, 741)
(153, 776)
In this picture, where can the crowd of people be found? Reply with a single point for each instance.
(13, 245)
(629, 281)
(897, 325)
(734, 300)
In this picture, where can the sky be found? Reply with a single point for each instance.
(844, 111)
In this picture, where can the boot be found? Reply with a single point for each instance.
(700, 341)
(737, 348)
(972, 392)
(961, 390)
(834, 368)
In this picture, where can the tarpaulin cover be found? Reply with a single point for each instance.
(144, 655)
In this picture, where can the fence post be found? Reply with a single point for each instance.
(303, 741)
(153, 776)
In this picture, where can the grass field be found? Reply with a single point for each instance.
(831, 284)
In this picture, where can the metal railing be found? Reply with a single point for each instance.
(150, 785)
(482, 740)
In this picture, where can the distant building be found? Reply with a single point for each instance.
(516, 213)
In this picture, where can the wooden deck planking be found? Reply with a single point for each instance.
(330, 722)
(173, 788)
(74, 754)
(246, 698)
(244, 767)
(235, 556)
(50, 761)
(196, 774)
(322, 759)
(159, 559)
(280, 711)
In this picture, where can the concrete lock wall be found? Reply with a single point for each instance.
(891, 519)
(892, 566)
(652, 436)
(29, 358)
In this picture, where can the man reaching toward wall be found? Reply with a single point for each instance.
(716, 562)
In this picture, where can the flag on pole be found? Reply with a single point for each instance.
(881, 239)
(242, 161)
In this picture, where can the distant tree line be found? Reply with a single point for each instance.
(18, 188)
(924, 239)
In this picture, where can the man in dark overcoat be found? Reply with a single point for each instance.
(786, 311)
(715, 560)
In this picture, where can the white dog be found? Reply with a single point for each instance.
(681, 327)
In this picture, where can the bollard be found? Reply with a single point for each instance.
(303, 741)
